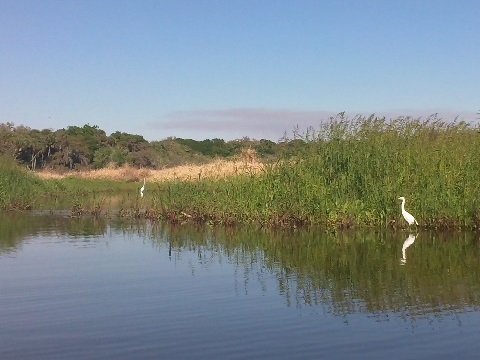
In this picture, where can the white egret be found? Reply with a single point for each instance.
(142, 188)
(406, 215)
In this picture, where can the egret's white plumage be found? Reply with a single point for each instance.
(142, 189)
(406, 215)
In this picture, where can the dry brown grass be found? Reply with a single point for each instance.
(214, 169)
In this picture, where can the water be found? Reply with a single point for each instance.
(105, 289)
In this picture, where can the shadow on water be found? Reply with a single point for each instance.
(343, 273)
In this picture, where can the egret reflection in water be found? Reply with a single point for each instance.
(408, 242)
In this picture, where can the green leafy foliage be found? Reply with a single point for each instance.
(88, 146)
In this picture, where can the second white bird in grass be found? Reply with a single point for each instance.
(407, 216)
(142, 189)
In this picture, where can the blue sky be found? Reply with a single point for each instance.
(232, 68)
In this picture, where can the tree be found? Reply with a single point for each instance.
(70, 150)
(143, 158)
(106, 156)
(211, 148)
(127, 141)
(7, 146)
(91, 137)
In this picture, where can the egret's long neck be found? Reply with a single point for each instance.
(403, 205)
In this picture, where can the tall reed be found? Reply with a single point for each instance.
(351, 172)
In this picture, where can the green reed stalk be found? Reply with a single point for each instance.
(351, 173)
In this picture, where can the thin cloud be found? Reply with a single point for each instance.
(258, 123)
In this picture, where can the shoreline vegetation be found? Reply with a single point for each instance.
(348, 173)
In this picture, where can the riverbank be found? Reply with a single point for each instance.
(349, 174)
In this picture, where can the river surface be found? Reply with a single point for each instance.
(86, 288)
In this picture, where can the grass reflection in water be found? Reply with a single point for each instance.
(343, 272)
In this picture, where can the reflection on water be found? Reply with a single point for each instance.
(407, 243)
(347, 272)
(347, 276)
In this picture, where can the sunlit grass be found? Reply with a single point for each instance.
(213, 170)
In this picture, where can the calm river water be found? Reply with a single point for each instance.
(84, 288)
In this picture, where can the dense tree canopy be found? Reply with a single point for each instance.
(89, 146)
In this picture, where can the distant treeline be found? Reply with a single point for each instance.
(89, 146)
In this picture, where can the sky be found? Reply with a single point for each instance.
(227, 69)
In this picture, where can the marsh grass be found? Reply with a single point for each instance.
(351, 173)
(18, 187)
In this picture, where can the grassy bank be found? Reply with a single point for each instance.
(18, 187)
(350, 173)
(22, 189)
